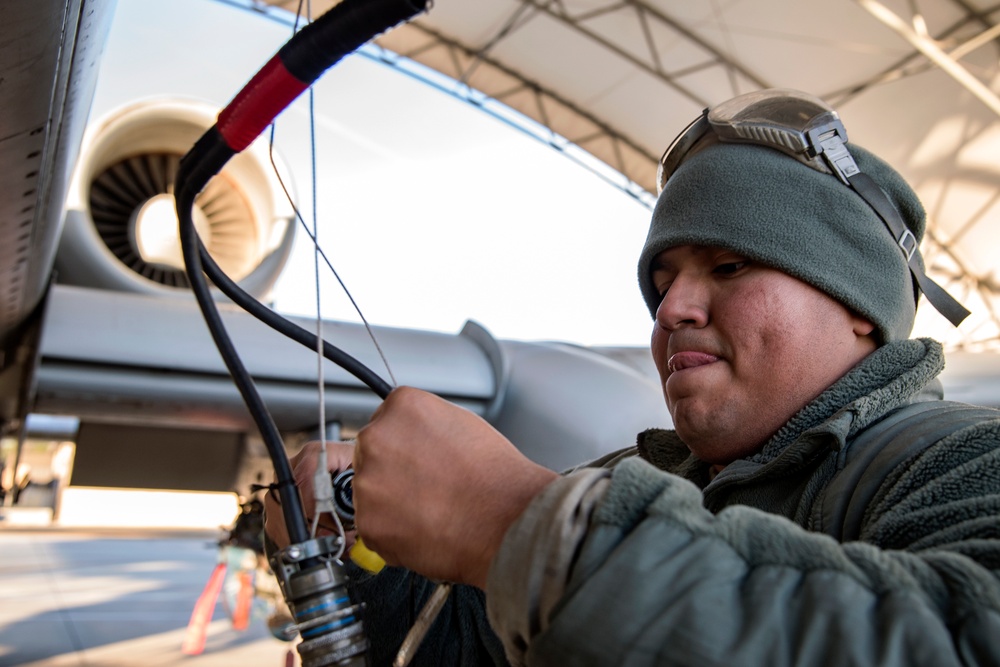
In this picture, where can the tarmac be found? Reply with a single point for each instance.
(115, 597)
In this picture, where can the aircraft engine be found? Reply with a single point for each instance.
(120, 231)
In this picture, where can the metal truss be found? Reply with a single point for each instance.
(482, 78)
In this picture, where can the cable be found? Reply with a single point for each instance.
(202, 162)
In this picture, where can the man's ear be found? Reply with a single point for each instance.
(862, 327)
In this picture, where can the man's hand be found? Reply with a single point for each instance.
(339, 456)
(436, 487)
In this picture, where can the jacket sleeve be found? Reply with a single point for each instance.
(627, 567)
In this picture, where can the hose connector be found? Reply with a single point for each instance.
(314, 583)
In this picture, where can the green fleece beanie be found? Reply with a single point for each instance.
(768, 207)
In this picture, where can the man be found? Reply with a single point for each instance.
(816, 503)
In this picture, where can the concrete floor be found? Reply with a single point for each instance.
(122, 597)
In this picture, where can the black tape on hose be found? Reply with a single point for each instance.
(340, 31)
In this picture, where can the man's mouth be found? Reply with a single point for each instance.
(683, 360)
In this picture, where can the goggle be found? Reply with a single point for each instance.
(807, 129)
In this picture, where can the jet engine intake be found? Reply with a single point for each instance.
(120, 231)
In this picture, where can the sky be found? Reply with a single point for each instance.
(431, 211)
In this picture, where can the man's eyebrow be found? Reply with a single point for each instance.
(660, 264)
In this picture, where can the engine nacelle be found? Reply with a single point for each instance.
(120, 231)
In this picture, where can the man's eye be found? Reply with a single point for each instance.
(662, 284)
(731, 267)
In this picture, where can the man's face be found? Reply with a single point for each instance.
(741, 347)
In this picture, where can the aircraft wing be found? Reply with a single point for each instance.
(49, 58)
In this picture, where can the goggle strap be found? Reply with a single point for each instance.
(830, 142)
(943, 302)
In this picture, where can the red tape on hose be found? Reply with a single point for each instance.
(266, 95)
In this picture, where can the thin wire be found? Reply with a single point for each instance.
(329, 265)
(322, 503)
(324, 488)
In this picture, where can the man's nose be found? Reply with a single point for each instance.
(684, 304)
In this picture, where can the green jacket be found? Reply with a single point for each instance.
(839, 543)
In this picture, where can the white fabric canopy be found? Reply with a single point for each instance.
(914, 81)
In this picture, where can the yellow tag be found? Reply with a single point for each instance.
(365, 558)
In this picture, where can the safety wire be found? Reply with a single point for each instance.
(322, 484)
(380, 390)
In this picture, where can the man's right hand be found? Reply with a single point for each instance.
(339, 457)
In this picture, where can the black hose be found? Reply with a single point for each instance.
(288, 328)
(203, 161)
